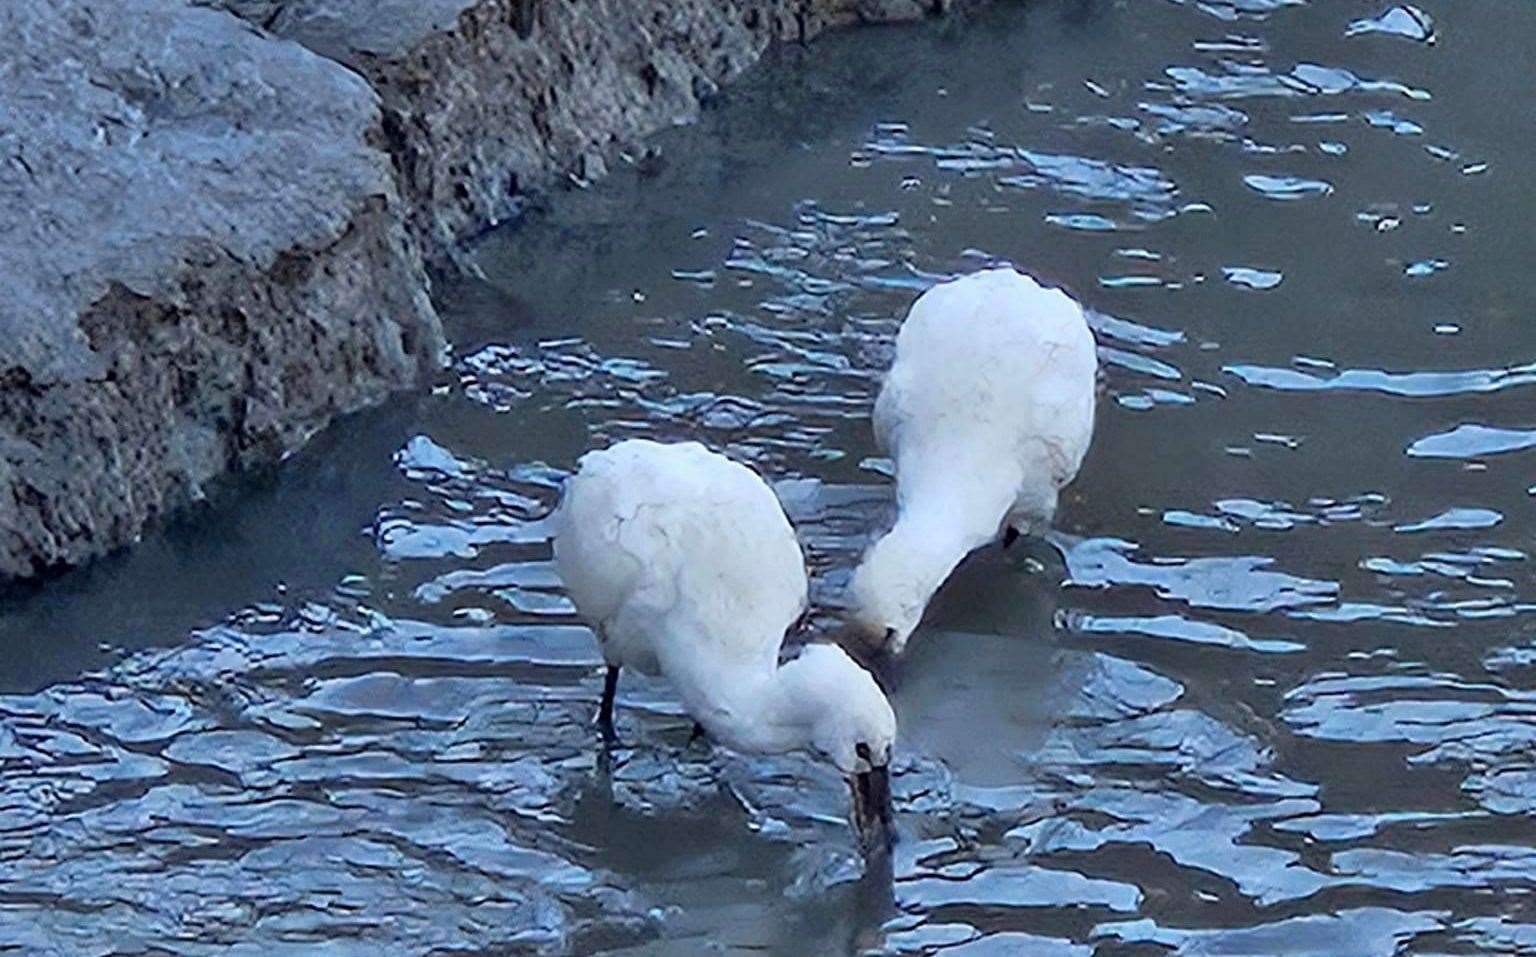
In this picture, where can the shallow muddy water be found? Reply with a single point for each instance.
(1279, 697)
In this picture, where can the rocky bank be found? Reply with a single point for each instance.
(221, 215)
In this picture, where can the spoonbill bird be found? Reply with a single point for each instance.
(684, 564)
(987, 412)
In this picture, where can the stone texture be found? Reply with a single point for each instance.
(217, 211)
(488, 100)
(203, 262)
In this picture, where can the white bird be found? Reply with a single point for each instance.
(987, 412)
(684, 565)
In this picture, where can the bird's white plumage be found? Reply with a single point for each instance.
(649, 532)
(987, 412)
(685, 565)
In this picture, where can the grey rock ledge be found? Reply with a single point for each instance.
(221, 214)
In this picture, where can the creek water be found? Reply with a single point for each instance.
(1277, 697)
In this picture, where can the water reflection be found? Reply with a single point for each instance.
(1274, 696)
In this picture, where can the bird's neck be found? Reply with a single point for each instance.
(946, 510)
(745, 705)
(926, 544)
(950, 504)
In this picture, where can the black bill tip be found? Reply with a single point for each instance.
(872, 809)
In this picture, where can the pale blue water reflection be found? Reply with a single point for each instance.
(1278, 697)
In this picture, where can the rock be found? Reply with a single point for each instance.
(203, 261)
(218, 211)
(487, 100)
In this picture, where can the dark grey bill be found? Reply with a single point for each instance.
(872, 809)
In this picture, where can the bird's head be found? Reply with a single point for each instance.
(892, 586)
(850, 722)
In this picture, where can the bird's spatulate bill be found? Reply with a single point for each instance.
(872, 809)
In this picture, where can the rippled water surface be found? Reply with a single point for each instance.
(1278, 698)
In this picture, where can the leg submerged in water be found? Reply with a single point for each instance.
(605, 710)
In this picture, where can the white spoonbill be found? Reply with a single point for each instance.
(683, 563)
(987, 412)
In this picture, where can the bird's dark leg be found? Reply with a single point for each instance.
(605, 710)
(698, 732)
(1010, 535)
(799, 624)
